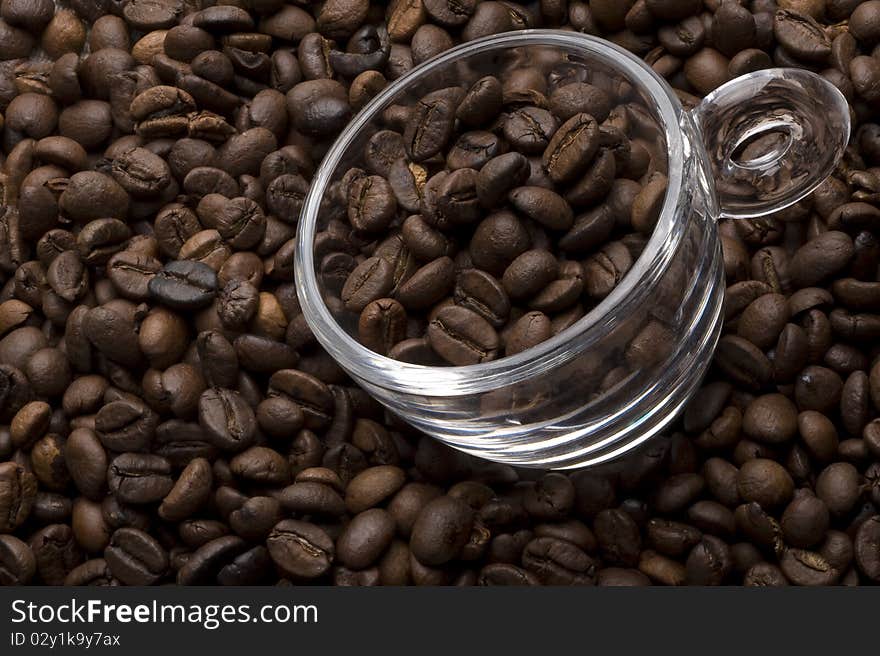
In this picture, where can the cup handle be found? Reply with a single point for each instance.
(772, 137)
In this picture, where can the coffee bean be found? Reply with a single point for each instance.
(805, 521)
(184, 285)
(365, 538)
(382, 324)
(865, 547)
(572, 148)
(803, 567)
(530, 129)
(709, 562)
(313, 397)
(370, 281)
(190, 491)
(135, 558)
(441, 530)
(558, 562)
(838, 486)
(18, 489)
(544, 206)
(764, 482)
(802, 36)
(139, 478)
(618, 537)
(300, 549)
(17, 562)
(462, 337)
(227, 419)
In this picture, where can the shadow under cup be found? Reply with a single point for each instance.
(607, 383)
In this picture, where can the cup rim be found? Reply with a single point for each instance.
(441, 381)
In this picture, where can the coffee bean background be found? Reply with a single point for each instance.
(166, 415)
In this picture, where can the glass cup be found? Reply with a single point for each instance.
(622, 373)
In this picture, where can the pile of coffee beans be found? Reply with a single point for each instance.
(166, 416)
(486, 217)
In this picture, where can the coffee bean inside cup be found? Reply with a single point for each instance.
(478, 219)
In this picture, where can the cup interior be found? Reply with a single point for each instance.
(563, 56)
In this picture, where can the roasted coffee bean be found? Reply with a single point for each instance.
(210, 558)
(184, 285)
(838, 486)
(865, 548)
(190, 491)
(126, 426)
(572, 148)
(803, 567)
(430, 127)
(17, 562)
(227, 419)
(461, 336)
(618, 537)
(530, 129)
(558, 562)
(135, 558)
(372, 486)
(139, 478)
(312, 395)
(544, 206)
(370, 281)
(300, 549)
(441, 530)
(365, 538)
(18, 489)
(382, 324)
(764, 482)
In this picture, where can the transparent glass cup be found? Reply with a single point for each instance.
(622, 373)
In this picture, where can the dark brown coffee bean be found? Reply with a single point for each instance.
(709, 562)
(803, 567)
(529, 330)
(365, 538)
(430, 126)
(184, 285)
(462, 337)
(497, 241)
(572, 148)
(190, 491)
(805, 521)
(370, 281)
(428, 285)
(227, 419)
(820, 258)
(500, 175)
(530, 129)
(558, 562)
(300, 549)
(865, 547)
(126, 426)
(17, 562)
(139, 478)
(819, 435)
(618, 537)
(765, 482)
(441, 530)
(135, 558)
(801, 36)
(312, 396)
(382, 324)
(838, 486)
(542, 205)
